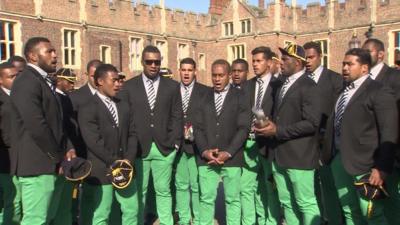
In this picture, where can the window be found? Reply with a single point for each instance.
(7, 40)
(135, 53)
(228, 28)
(236, 52)
(105, 54)
(162, 46)
(325, 53)
(246, 26)
(202, 62)
(396, 49)
(70, 51)
(183, 52)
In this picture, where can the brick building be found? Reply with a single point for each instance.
(116, 31)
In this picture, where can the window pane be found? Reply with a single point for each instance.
(243, 27)
(73, 57)
(12, 50)
(11, 32)
(248, 26)
(3, 52)
(2, 31)
(66, 57)
(226, 29)
(325, 60)
(73, 39)
(66, 38)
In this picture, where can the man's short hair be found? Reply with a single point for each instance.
(241, 61)
(16, 58)
(93, 63)
(32, 43)
(5, 65)
(102, 71)
(150, 49)
(222, 62)
(363, 56)
(263, 49)
(377, 43)
(313, 45)
(188, 61)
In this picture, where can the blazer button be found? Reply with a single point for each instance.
(185, 116)
(217, 136)
(151, 114)
(217, 124)
(151, 125)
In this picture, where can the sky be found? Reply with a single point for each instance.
(201, 6)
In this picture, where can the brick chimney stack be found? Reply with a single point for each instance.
(218, 6)
(261, 4)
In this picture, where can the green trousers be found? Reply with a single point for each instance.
(10, 197)
(327, 197)
(259, 198)
(186, 184)
(209, 177)
(36, 194)
(102, 197)
(354, 207)
(297, 195)
(392, 204)
(60, 210)
(160, 167)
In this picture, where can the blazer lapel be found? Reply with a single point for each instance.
(382, 73)
(143, 94)
(291, 89)
(252, 91)
(359, 91)
(192, 96)
(103, 106)
(160, 92)
(226, 101)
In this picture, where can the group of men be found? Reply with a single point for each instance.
(289, 144)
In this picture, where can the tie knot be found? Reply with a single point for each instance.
(260, 81)
(150, 82)
(349, 86)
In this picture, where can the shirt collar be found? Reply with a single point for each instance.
(265, 77)
(360, 81)
(38, 69)
(376, 69)
(92, 89)
(60, 92)
(103, 97)
(190, 86)
(226, 89)
(146, 79)
(8, 92)
(296, 76)
(317, 72)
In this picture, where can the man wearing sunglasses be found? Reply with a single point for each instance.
(157, 114)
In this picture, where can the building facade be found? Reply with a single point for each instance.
(116, 31)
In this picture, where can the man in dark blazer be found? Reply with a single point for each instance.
(259, 91)
(109, 133)
(390, 77)
(240, 69)
(294, 127)
(38, 138)
(186, 176)
(329, 86)
(10, 195)
(221, 129)
(157, 112)
(361, 138)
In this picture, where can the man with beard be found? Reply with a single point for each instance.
(38, 136)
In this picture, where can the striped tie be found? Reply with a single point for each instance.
(151, 96)
(218, 103)
(341, 106)
(112, 110)
(312, 76)
(260, 83)
(51, 84)
(283, 90)
(185, 100)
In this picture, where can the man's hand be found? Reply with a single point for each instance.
(211, 156)
(222, 157)
(267, 131)
(377, 177)
(70, 154)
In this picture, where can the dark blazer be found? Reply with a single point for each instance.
(198, 93)
(297, 121)
(105, 141)
(369, 130)
(4, 148)
(38, 137)
(228, 131)
(249, 88)
(329, 86)
(80, 98)
(163, 124)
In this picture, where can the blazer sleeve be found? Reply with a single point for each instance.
(176, 124)
(132, 140)
(387, 118)
(6, 124)
(33, 116)
(88, 121)
(309, 123)
(243, 125)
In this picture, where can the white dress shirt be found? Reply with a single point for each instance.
(376, 69)
(105, 99)
(317, 73)
(266, 79)
(156, 82)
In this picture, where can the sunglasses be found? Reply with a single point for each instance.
(150, 62)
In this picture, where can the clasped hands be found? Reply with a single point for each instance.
(216, 156)
(268, 130)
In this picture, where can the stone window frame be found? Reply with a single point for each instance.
(137, 55)
(105, 57)
(16, 42)
(73, 48)
(228, 29)
(247, 26)
(391, 48)
(202, 62)
(181, 55)
(234, 52)
(164, 51)
(325, 51)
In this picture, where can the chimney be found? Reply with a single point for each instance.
(218, 6)
(261, 4)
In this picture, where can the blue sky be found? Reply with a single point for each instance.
(196, 6)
